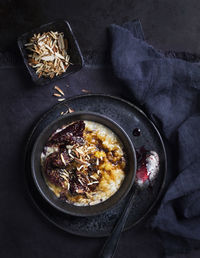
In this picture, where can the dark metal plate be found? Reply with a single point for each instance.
(128, 117)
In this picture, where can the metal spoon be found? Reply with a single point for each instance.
(152, 166)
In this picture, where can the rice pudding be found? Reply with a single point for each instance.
(83, 163)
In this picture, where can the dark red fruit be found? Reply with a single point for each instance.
(70, 135)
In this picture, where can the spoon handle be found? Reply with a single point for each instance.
(111, 243)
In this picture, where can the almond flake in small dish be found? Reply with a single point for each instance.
(48, 53)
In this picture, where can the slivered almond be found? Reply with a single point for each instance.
(57, 95)
(93, 177)
(69, 146)
(59, 90)
(81, 161)
(71, 110)
(94, 182)
(63, 160)
(61, 99)
(49, 49)
(80, 181)
(68, 186)
(85, 91)
(71, 156)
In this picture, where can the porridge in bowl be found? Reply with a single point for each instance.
(83, 163)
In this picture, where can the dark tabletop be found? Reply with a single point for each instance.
(168, 25)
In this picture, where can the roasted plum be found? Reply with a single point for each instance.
(78, 183)
(57, 160)
(70, 135)
(55, 177)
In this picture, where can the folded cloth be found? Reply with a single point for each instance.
(168, 88)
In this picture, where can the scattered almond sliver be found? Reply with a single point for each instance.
(70, 110)
(59, 90)
(84, 90)
(62, 99)
(57, 95)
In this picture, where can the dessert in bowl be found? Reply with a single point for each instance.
(83, 163)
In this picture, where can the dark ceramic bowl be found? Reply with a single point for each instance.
(63, 206)
(74, 51)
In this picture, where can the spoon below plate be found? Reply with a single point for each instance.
(148, 165)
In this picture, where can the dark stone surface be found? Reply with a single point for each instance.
(167, 24)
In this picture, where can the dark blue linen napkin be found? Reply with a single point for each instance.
(168, 89)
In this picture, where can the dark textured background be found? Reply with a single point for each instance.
(173, 25)
(167, 24)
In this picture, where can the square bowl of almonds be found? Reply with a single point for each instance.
(50, 52)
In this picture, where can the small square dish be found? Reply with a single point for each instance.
(73, 50)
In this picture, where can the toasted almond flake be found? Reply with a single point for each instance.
(97, 162)
(59, 90)
(62, 41)
(64, 177)
(64, 172)
(49, 49)
(57, 95)
(48, 58)
(66, 112)
(80, 152)
(55, 63)
(68, 186)
(85, 91)
(67, 58)
(69, 146)
(62, 158)
(71, 155)
(94, 182)
(37, 65)
(60, 56)
(62, 113)
(61, 99)
(41, 38)
(93, 177)
(80, 181)
(53, 34)
(70, 110)
(62, 66)
(28, 44)
(89, 148)
(81, 161)
(76, 153)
